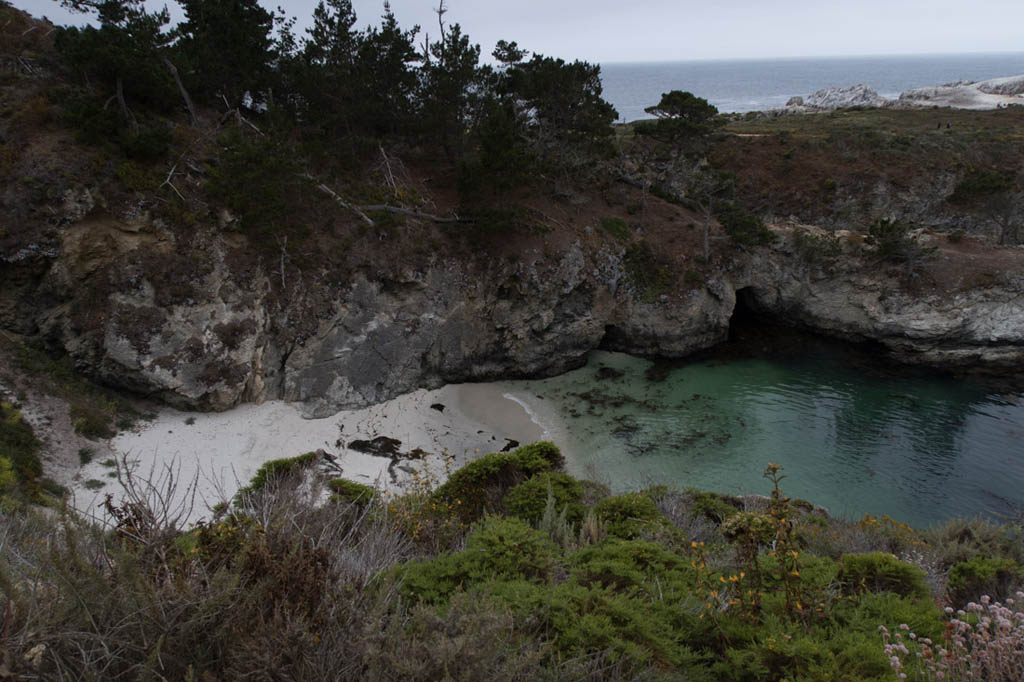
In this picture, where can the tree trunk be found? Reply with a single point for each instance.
(184, 93)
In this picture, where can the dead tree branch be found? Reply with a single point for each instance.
(362, 211)
(167, 181)
(413, 213)
(344, 204)
(184, 93)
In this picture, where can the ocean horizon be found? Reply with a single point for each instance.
(742, 85)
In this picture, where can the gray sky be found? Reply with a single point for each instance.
(653, 30)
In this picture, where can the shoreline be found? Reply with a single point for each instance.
(220, 452)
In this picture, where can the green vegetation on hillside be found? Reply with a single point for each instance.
(511, 570)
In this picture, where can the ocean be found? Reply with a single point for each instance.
(755, 85)
(853, 436)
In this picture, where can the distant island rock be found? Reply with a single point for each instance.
(859, 95)
(990, 94)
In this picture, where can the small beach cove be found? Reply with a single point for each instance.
(379, 445)
(855, 435)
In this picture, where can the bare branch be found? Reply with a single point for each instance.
(184, 93)
(167, 181)
(334, 195)
(415, 214)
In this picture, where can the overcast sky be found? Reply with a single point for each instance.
(655, 30)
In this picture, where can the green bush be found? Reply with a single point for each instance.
(616, 227)
(150, 143)
(275, 470)
(92, 421)
(894, 244)
(260, 180)
(344, 490)
(713, 506)
(647, 271)
(969, 580)
(624, 565)
(880, 572)
(497, 548)
(528, 499)
(481, 485)
(627, 516)
(745, 228)
(980, 183)
(629, 632)
(19, 445)
(962, 539)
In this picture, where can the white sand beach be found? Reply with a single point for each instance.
(222, 451)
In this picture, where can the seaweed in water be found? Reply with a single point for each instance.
(658, 372)
(605, 373)
(625, 427)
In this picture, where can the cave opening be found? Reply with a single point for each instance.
(754, 331)
(748, 321)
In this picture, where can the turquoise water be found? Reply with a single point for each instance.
(853, 437)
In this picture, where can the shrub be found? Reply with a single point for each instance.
(623, 565)
(969, 580)
(880, 572)
(713, 506)
(150, 143)
(275, 470)
(528, 499)
(497, 548)
(627, 516)
(647, 271)
(745, 228)
(894, 244)
(616, 227)
(259, 180)
(980, 183)
(92, 421)
(344, 490)
(19, 445)
(982, 642)
(632, 632)
(481, 485)
(817, 249)
(962, 539)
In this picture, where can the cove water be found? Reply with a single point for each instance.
(853, 436)
(756, 85)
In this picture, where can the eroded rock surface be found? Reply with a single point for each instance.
(204, 338)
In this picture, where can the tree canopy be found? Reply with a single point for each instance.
(341, 85)
(681, 117)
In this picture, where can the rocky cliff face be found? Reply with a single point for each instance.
(205, 338)
(980, 329)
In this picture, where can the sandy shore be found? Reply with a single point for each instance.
(222, 451)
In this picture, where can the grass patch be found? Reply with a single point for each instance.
(96, 412)
(617, 228)
(85, 455)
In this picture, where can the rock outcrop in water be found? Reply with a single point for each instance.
(215, 341)
(859, 95)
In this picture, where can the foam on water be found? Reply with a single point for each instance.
(529, 411)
